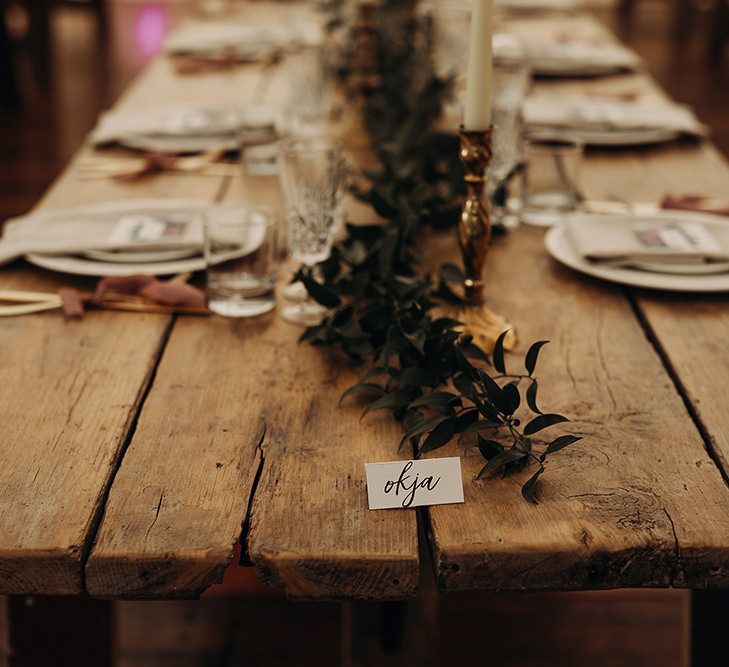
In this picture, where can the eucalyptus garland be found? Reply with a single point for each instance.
(433, 377)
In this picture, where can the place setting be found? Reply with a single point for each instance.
(333, 272)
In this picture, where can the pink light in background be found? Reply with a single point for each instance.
(150, 29)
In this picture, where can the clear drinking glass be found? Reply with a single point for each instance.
(241, 258)
(314, 177)
(551, 178)
(511, 79)
(309, 100)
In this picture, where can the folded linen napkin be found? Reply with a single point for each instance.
(530, 6)
(168, 120)
(245, 41)
(670, 241)
(186, 128)
(585, 113)
(147, 224)
(556, 56)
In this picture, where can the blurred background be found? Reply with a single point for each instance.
(61, 63)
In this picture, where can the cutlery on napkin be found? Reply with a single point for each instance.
(243, 42)
(589, 113)
(671, 241)
(186, 128)
(128, 225)
(553, 56)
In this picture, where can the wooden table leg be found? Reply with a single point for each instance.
(393, 633)
(709, 628)
(40, 40)
(9, 96)
(60, 631)
(4, 632)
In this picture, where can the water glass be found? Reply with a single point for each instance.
(511, 78)
(551, 178)
(309, 100)
(314, 177)
(241, 258)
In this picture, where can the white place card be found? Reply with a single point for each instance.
(398, 484)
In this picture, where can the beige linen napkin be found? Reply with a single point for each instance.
(556, 55)
(666, 239)
(528, 6)
(129, 225)
(172, 121)
(247, 41)
(580, 113)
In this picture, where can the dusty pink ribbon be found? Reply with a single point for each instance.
(696, 203)
(165, 293)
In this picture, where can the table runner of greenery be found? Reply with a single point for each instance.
(433, 377)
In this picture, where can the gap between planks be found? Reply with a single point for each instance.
(133, 421)
(681, 389)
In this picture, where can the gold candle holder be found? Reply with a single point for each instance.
(474, 238)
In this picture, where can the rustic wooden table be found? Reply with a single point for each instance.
(138, 449)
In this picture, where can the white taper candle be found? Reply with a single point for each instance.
(478, 83)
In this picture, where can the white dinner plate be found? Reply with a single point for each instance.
(560, 246)
(140, 257)
(81, 266)
(608, 137)
(179, 144)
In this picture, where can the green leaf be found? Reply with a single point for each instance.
(542, 422)
(501, 459)
(466, 419)
(529, 487)
(463, 384)
(375, 371)
(434, 399)
(498, 353)
(422, 427)
(531, 397)
(512, 397)
(417, 340)
(320, 293)
(439, 436)
(489, 448)
(530, 362)
(465, 366)
(493, 391)
(560, 443)
(417, 377)
(393, 400)
(480, 425)
(475, 352)
(361, 388)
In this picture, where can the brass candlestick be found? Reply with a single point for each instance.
(474, 238)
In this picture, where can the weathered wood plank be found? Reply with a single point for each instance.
(266, 409)
(70, 394)
(639, 502)
(260, 406)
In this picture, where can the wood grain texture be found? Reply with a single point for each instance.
(689, 330)
(638, 502)
(261, 422)
(69, 396)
